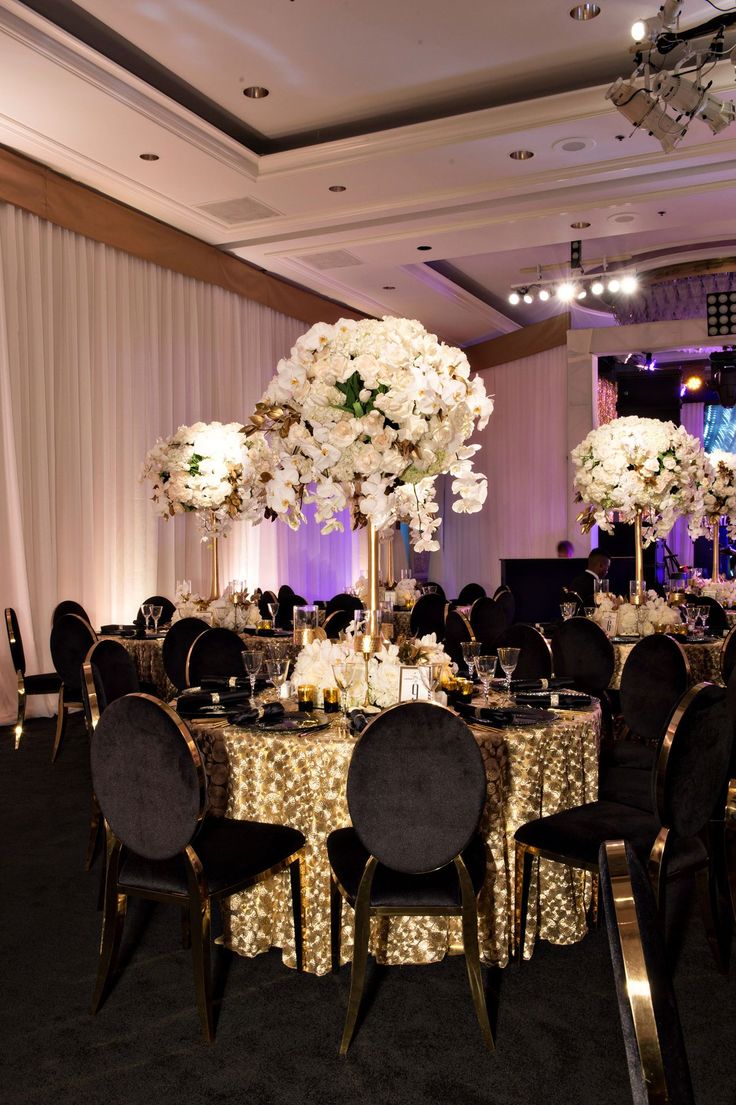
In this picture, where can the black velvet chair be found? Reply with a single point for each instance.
(43, 683)
(582, 651)
(428, 616)
(655, 1050)
(689, 775)
(507, 603)
(348, 603)
(655, 676)
(458, 630)
(71, 639)
(167, 610)
(69, 606)
(501, 589)
(438, 589)
(175, 648)
(566, 595)
(287, 600)
(489, 619)
(535, 658)
(336, 622)
(728, 655)
(214, 654)
(469, 593)
(150, 782)
(717, 621)
(416, 790)
(263, 603)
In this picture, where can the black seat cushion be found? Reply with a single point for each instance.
(440, 889)
(45, 683)
(232, 853)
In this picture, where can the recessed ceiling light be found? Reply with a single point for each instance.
(622, 217)
(255, 92)
(337, 188)
(581, 225)
(424, 247)
(148, 156)
(574, 144)
(389, 288)
(521, 155)
(583, 12)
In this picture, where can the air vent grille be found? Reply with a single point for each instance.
(238, 211)
(332, 259)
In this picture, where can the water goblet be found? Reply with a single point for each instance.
(277, 671)
(568, 609)
(508, 658)
(146, 612)
(702, 617)
(252, 660)
(344, 672)
(273, 609)
(692, 610)
(430, 675)
(156, 612)
(589, 612)
(471, 651)
(486, 669)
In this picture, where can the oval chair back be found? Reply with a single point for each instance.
(112, 670)
(469, 593)
(693, 763)
(457, 630)
(71, 639)
(566, 595)
(416, 787)
(336, 622)
(717, 620)
(15, 641)
(728, 655)
(349, 603)
(438, 589)
(488, 619)
(69, 606)
(264, 600)
(507, 603)
(655, 676)
(428, 616)
(175, 649)
(214, 654)
(167, 609)
(287, 601)
(582, 651)
(148, 776)
(500, 590)
(535, 658)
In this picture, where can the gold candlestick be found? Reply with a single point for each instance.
(638, 553)
(715, 524)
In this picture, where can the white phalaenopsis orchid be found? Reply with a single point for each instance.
(634, 463)
(368, 413)
(719, 495)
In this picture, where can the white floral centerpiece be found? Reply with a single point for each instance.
(719, 495)
(212, 469)
(723, 591)
(314, 666)
(218, 612)
(652, 614)
(639, 464)
(407, 592)
(368, 413)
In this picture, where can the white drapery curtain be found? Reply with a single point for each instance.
(524, 456)
(100, 354)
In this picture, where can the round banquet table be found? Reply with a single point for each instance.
(148, 660)
(300, 780)
(704, 660)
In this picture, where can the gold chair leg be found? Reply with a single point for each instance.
(113, 920)
(20, 721)
(472, 952)
(95, 827)
(297, 909)
(200, 916)
(335, 925)
(730, 843)
(524, 860)
(60, 723)
(361, 937)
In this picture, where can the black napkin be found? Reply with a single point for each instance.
(190, 704)
(270, 713)
(117, 630)
(358, 720)
(502, 718)
(234, 682)
(565, 701)
(540, 684)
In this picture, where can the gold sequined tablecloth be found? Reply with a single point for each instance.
(148, 660)
(704, 660)
(301, 781)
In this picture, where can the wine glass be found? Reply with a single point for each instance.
(702, 616)
(568, 609)
(252, 660)
(430, 675)
(471, 651)
(273, 609)
(277, 671)
(486, 669)
(344, 672)
(590, 612)
(156, 612)
(692, 610)
(146, 612)
(508, 658)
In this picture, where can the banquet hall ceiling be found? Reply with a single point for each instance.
(412, 108)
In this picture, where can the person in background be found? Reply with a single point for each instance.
(598, 565)
(565, 550)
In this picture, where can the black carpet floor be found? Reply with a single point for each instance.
(558, 1036)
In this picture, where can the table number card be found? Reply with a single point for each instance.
(608, 623)
(411, 685)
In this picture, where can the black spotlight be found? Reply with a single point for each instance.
(723, 376)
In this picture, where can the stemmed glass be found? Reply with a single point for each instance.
(430, 675)
(508, 658)
(156, 612)
(252, 660)
(273, 609)
(486, 668)
(568, 609)
(702, 616)
(344, 672)
(277, 671)
(146, 612)
(471, 651)
(601, 587)
(692, 610)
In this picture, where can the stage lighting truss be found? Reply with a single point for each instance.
(575, 288)
(669, 86)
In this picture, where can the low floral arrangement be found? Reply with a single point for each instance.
(723, 591)
(368, 413)
(407, 592)
(219, 612)
(213, 469)
(719, 496)
(651, 615)
(633, 464)
(314, 666)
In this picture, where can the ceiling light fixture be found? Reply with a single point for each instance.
(694, 382)
(521, 155)
(583, 12)
(581, 225)
(514, 298)
(576, 287)
(597, 287)
(566, 292)
(256, 92)
(148, 156)
(337, 188)
(543, 295)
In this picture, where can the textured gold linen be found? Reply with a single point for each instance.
(300, 781)
(149, 664)
(704, 660)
